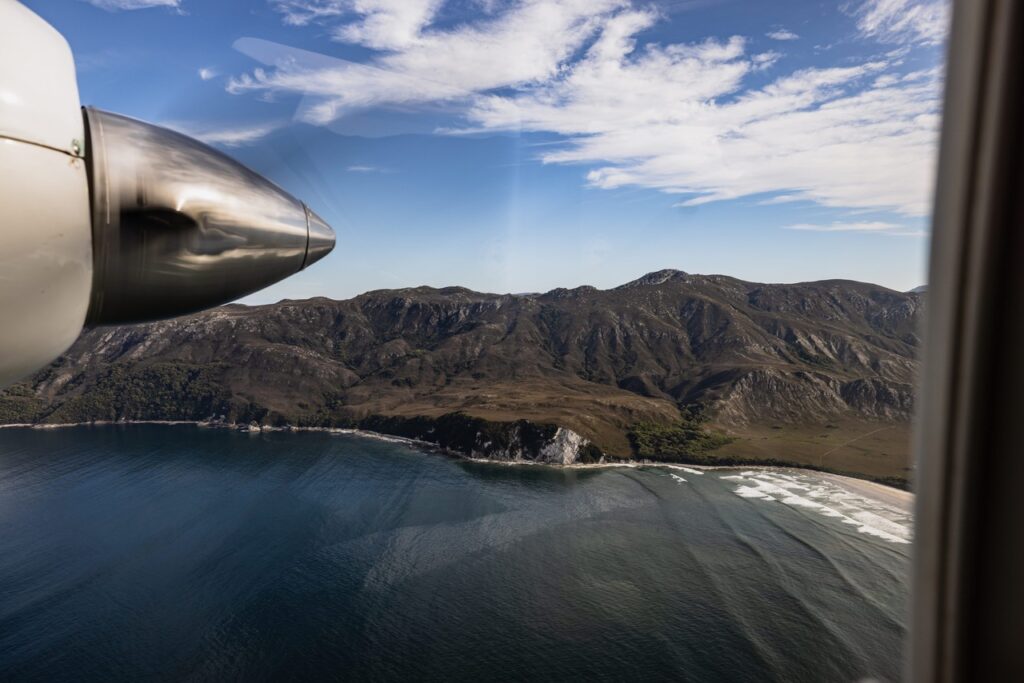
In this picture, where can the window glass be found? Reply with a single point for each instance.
(610, 374)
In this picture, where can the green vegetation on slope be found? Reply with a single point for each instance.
(684, 441)
(157, 391)
(19, 404)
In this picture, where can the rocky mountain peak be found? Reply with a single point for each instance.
(655, 278)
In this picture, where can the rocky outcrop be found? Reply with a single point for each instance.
(518, 441)
(566, 447)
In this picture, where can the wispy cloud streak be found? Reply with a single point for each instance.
(901, 21)
(118, 5)
(227, 136)
(681, 118)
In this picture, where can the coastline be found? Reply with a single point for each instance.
(867, 488)
(899, 498)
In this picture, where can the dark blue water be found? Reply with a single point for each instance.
(181, 553)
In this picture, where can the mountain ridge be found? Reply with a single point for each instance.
(653, 277)
(781, 372)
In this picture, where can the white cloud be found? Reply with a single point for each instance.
(902, 21)
(302, 12)
(870, 226)
(527, 44)
(359, 168)
(232, 136)
(782, 34)
(116, 5)
(765, 60)
(379, 24)
(207, 73)
(678, 117)
(875, 227)
(388, 24)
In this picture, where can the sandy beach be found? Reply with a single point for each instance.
(889, 495)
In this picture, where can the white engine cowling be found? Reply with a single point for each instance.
(45, 226)
(109, 220)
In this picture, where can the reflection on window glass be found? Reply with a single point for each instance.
(610, 374)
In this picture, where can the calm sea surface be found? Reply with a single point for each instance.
(178, 553)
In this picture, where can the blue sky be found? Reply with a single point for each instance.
(522, 145)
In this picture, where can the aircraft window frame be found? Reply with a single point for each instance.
(956, 630)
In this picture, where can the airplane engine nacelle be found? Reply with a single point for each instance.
(108, 220)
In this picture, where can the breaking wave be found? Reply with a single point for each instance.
(824, 497)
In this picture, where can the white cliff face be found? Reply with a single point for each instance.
(563, 449)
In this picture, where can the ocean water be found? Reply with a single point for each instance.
(181, 553)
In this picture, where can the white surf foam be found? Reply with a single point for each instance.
(752, 492)
(810, 492)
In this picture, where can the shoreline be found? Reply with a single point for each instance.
(867, 488)
(890, 495)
